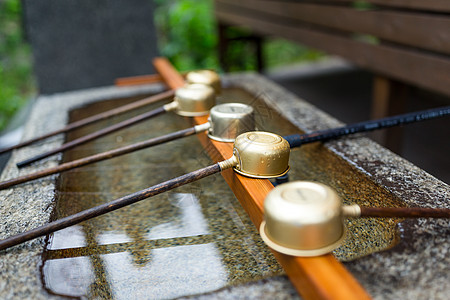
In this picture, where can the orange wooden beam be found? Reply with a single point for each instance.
(321, 277)
(136, 80)
(142, 79)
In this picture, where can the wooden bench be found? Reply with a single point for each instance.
(403, 42)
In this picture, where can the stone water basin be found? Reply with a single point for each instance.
(192, 240)
(196, 241)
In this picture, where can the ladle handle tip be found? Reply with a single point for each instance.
(405, 212)
(297, 140)
(356, 211)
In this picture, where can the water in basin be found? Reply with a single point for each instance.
(194, 239)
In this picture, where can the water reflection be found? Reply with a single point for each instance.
(69, 276)
(140, 268)
(59, 241)
(191, 221)
(172, 272)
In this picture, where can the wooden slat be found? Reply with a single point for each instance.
(425, 5)
(442, 6)
(435, 5)
(427, 31)
(142, 79)
(389, 98)
(424, 70)
(320, 277)
(136, 80)
(168, 72)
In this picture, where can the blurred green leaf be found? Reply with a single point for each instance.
(16, 80)
(187, 33)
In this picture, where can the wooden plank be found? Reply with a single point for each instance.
(427, 31)
(137, 80)
(142, 79)
(167, 71)
(425, 5)
(320, 277)
(424, 70)
(389, 98)
(435, 5)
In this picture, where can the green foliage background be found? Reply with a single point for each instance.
(186, 35)
(16, 81)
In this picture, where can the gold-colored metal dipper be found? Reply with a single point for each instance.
(229, 120)
(261, 154)
(192, 100)
(207, 77)
(304, 218)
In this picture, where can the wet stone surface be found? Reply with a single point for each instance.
(192, 240)
(196, 241)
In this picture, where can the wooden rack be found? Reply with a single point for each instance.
(321, 277)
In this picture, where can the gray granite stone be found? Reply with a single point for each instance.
(30, 205)
(415, 268)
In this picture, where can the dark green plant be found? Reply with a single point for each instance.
(16, 83)
(187, 33)
(363, 5)
(278, 52)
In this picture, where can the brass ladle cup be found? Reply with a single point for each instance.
(304, 218)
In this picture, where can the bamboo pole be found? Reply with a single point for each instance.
(320, 277)
(95, 118)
